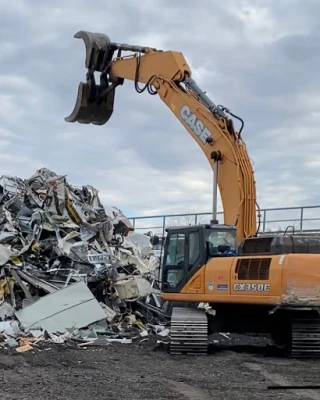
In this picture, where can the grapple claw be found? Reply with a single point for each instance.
(97, 47)
(94, 103)
(86, 112)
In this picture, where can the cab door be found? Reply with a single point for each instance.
(175, 262)
(196, 251)
(185, 254)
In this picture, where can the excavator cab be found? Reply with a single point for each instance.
(188, 248)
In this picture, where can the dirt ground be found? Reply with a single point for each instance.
(138, 371)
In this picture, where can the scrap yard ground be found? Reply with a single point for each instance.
(138, 371)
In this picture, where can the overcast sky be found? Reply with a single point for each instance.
(260, 58)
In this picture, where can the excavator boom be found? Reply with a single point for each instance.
(168, 75)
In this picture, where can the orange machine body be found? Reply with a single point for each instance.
(286, 281)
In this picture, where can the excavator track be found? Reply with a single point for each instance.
(189, 331)
(305, 338)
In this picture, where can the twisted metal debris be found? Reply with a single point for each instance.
(58, 241)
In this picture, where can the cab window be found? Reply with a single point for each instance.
(175, 254)
(194, 249)
(220, 241)
(174, 265)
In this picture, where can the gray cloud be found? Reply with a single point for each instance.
(259, 58)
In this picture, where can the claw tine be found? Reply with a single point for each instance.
(73, 117)
(91, 113)
(94, 43)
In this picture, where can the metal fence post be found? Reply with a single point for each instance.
(264, 220)
(301, 219)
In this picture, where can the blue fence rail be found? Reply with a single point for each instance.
(303, 219)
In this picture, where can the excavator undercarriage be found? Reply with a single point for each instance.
(189, 331)
(305, 337)
(295, 332)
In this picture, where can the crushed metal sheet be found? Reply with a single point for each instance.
(37, 282)
(74, 305)
(6, 311)
(11, 328)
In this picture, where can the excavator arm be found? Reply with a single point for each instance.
(168, 75)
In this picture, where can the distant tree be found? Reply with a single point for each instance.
(188, 218)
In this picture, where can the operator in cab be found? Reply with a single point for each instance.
(221, 243)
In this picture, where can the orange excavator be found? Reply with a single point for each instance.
(252, 283)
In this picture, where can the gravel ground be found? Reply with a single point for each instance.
(124, 371)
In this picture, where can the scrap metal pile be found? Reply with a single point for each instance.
(72, 268)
